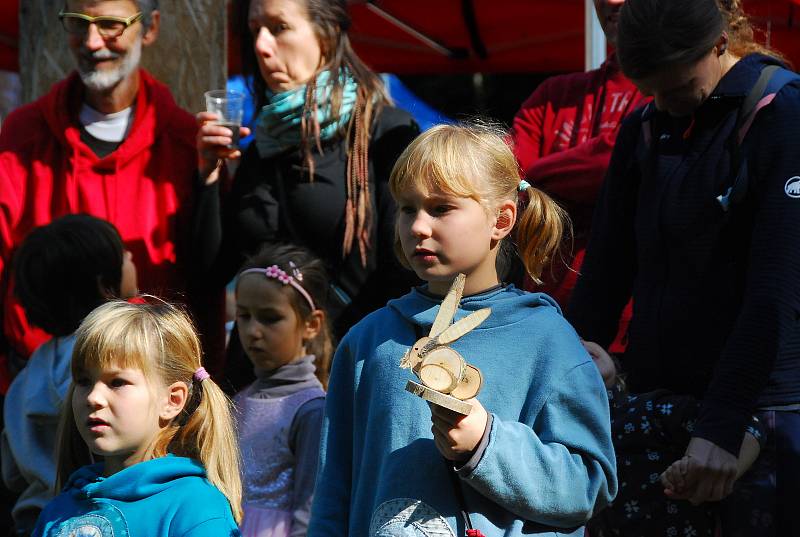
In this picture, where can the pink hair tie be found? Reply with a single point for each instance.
(274, 272)
(200, 374)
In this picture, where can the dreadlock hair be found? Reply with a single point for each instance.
(331, 21)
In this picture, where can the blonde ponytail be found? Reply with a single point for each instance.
(210, 437)
(539, 230)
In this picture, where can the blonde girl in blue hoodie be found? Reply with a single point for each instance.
(534, 455)
(160, 429)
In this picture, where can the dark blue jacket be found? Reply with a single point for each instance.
(716, 293)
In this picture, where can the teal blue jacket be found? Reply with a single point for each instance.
(165, 497)
(547, 464)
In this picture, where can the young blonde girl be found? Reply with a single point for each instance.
(534, 454)
(282, 325)
(142, 402)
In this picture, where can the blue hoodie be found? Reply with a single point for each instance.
(168, 496)
(547, 463)
(32, 410)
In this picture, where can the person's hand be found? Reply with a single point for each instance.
(674, 479)
(712, 468)
(457, 436)
(594, 350)
(605, 364)
(212, 146)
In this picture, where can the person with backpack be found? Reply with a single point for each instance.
(696, 222)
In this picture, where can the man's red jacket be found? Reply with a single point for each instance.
(563, 136)
(144, 188)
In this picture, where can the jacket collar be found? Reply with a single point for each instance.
(153, 114)
(738, 81)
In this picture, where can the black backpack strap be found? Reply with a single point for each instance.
(771, 80)
(646, 139)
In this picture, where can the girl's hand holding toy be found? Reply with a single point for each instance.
(456, 436)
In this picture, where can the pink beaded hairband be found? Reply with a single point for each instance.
(276, 273)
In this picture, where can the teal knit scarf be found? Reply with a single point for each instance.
(278, 124)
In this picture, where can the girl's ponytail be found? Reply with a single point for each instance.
(208, 435)
(539, 230)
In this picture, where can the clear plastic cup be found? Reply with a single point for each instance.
(228, 105)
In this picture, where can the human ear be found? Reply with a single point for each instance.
(722, 44)
(177, 394)
(313, 325)
(505, 220)
(151, 34)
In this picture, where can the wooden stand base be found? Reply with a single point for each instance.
(438, 398)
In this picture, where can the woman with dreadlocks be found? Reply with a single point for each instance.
(317, 174)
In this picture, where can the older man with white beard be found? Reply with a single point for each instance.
(109, 141)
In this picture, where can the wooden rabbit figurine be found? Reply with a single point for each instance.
(447, 379)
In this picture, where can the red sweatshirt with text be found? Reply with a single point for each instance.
(563, 136)
(144, 188)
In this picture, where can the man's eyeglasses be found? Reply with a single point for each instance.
(109, 27)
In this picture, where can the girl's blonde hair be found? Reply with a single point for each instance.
(473, 160)
(160, 340)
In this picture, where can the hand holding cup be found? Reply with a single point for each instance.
(219, 131)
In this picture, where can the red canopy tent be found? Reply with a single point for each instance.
(448, 36)
(9, 35)
(496, 36)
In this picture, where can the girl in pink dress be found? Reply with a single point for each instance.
(283, 329)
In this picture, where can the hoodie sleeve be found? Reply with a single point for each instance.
(559, 469)
(214, 527)
(12, 194)
(575, 174)
(231, 221)
(11, 474)
(528, 126)
(331, 506)
(607, 273)
(304, 443)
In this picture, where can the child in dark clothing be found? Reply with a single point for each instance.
(650, 430)
(62, 271)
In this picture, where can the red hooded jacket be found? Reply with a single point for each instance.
(563, 137)
(144, 188)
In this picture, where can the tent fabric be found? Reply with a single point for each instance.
(9, 35)
(518, 35)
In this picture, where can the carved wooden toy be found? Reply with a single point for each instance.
(447, 379)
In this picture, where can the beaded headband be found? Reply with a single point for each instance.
(276, 273)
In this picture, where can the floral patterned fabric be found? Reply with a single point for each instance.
(651, 431)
